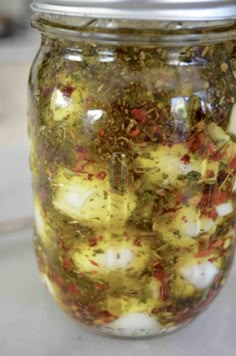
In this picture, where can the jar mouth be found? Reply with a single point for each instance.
(148, 33)
(162, 10)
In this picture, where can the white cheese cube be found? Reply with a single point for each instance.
(91, 202)
(134, 324)
(162, 165)
(201, 276)
(225, 208)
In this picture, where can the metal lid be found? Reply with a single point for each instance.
(168, 10)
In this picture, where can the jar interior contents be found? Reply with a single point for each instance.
(133, 156)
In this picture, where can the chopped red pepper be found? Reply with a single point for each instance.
(179, 198)
(134, 133)
(210, 174)
(160, 275)
(94, 263)
(62, 246)
(46, 92)
(171, 210)
(232, 164)
(79, 167)
(140, 115)
(100, 287)
(73, 289)
(137, 242)
(204, 253)
(101, 175)
(197, 144)
(186, 158)
(90, 176)
(213, 214)
(92, 242)
(217, 243)
(219, 197)
(67, 263)
(105, 314)
(67, 90)
(216, 155)
(101, 133)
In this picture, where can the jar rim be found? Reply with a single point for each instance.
(160, 10)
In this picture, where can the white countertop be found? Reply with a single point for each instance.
(30, 323)
(15, 181)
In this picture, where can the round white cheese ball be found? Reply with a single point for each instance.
(91, 201)
(162, 165)
(111, 253)
(201, 276)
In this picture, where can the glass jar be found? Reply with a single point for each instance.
(132, 123)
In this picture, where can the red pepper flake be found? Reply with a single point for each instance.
(232, 164)
(179, 198)
(140, 115)
(213, 214)
(59, 281)
(184, 219)
(182, 313)
(137, 242)
(101, 175)
(100, 238)
(186, 158)
(211, 148)
(217, 156)
(104, 314)
(160, 273)
(171, 210)
(197, 144)
(67, 263)
(67, 90)
(93, 242)
(90, 176)
(210, 174)
(217, 243)
(79, 167)
(219, 197)
(162, 277)
(163, 292)
(100, 287)
(73, 289)
(204, 253)
(134, 133)
(62, 246)
(46, 92)
(94, 263)
(212, 198)
(81, 149)
(101, 133)
(82, 152)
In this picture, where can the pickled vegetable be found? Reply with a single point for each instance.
(133, 160)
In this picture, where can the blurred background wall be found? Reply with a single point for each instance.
(18, 46)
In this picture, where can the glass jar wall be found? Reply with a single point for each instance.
(133, 155)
